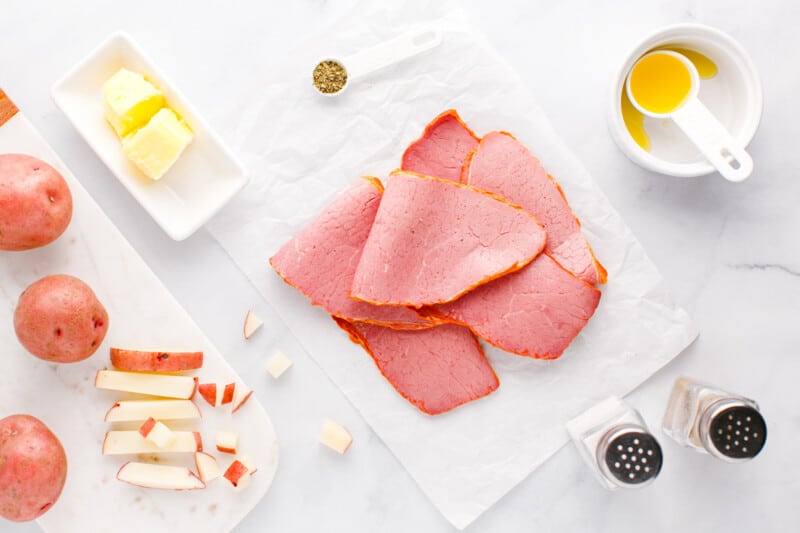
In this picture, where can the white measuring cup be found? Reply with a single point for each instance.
(701, 127)
(402, 47)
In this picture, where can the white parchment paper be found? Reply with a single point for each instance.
(303, 149)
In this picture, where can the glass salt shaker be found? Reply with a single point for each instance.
(725, 425)
(616, 444)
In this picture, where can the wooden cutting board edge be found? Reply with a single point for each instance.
(7, 108)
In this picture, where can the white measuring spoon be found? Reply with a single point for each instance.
(385, 54)
(698, 123)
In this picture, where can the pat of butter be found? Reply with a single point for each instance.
(130, 101)
(156, 146)
(278, 364)
(335, 436)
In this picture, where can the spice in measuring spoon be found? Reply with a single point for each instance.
(330, 76)
(634, 119)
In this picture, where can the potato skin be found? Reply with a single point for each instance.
(150, 361)
(33, 468)
(35, 203)
(59, 319)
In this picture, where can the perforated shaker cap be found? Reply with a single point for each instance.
(629, 456)
(733, 430)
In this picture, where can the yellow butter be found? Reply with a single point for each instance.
(156, 146)
(130, 101)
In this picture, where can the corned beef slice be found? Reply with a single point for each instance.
(434, 240)
(502, 165)
(435, 369)
(442, 148)
(536, 311)
(321, 260)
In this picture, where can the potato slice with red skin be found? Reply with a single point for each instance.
(163, 385)
(156, 476)
(209, 393)
(241, 393)
(236, 473)
(217, 394)
(150, 361)
(227, 396)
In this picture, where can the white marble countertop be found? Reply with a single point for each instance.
(730, 253)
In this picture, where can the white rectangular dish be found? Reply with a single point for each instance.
(142, 314)
(205, 177)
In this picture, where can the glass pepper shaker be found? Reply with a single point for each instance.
(725, 425)
(616, 444)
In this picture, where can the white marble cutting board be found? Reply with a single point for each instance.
(142, 314)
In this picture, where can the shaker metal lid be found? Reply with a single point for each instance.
(630, 455)
(737, 432)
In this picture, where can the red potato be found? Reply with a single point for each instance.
(147, 427)
(33, 468)
(35, 203)
(236, 473)
(227, 395)
(148, 361)
(241, 393)
(59, 319)
(209, 393)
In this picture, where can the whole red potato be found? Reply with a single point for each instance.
(35, 203)
(33, 468)
(59, 319)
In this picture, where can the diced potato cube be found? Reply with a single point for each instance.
(335, 436)
(278, 364)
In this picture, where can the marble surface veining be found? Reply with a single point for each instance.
(729, 253)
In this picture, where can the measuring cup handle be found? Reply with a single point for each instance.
(718, 146)
(387, 53)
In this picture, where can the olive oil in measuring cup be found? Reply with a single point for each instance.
(664, 84)
(634, 119)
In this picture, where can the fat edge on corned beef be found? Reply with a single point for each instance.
(435, 369)
(441, 149)
(535, 312)
(434, 240)
(502, 165)
(321, 259)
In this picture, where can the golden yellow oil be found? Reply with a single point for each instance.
(634, 120)
(705, 67)
(660, 82)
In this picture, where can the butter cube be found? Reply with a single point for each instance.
(130, 101)
(335, 436)
(156, 146)
(278, 364)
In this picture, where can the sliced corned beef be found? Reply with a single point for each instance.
(434, 240)
(442, 148)
(435, 369)
(321, 260)
(502, 165)
(536, 311)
